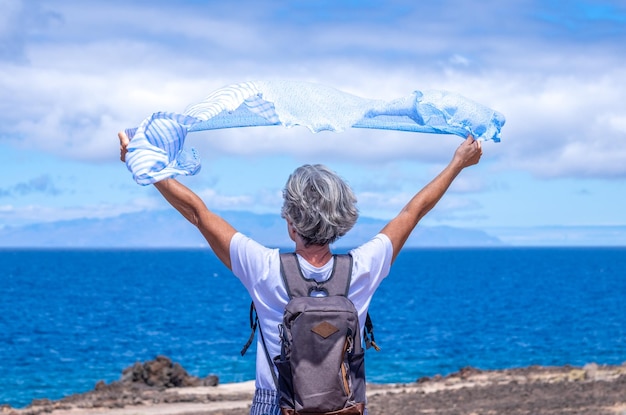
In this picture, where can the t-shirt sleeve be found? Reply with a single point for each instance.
(372, 262)
(249, 260)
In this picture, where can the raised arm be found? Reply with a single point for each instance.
(399, 228)
(214, 228)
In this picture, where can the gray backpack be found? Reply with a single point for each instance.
(321, 366)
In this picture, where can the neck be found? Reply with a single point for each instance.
(316, 255)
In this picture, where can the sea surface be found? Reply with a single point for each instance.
(69, 318)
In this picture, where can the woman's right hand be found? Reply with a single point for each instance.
(123, 145)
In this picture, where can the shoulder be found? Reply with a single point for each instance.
(250, 257)
(377, 248)
(373, 258)
(372, 263)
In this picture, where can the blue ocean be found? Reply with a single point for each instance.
(69, 318)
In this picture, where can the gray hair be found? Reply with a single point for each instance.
(319, 204)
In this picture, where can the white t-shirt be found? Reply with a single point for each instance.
(258, 268)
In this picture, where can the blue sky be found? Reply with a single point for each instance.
(74, 73)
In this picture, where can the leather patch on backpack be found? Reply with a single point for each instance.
(325, 329)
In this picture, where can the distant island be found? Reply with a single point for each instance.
(167, 229)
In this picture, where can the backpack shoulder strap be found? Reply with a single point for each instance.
(299, 286)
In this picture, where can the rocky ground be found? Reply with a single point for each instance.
(592, 390)
(161, 387)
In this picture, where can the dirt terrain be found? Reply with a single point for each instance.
(168, 390)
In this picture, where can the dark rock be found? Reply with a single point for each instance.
(42, 402)
(132, 373)
(467, 371)
(423, 379)
(158, 372)
(163, 373)
(210, 380)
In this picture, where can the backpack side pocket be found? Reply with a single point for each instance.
(285, 382)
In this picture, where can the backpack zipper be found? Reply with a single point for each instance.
(348, 348)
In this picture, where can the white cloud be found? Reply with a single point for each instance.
(566, 126)
(12, 215)
(73, 75)
(218, 201)
(78, 94)
(453, 207)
